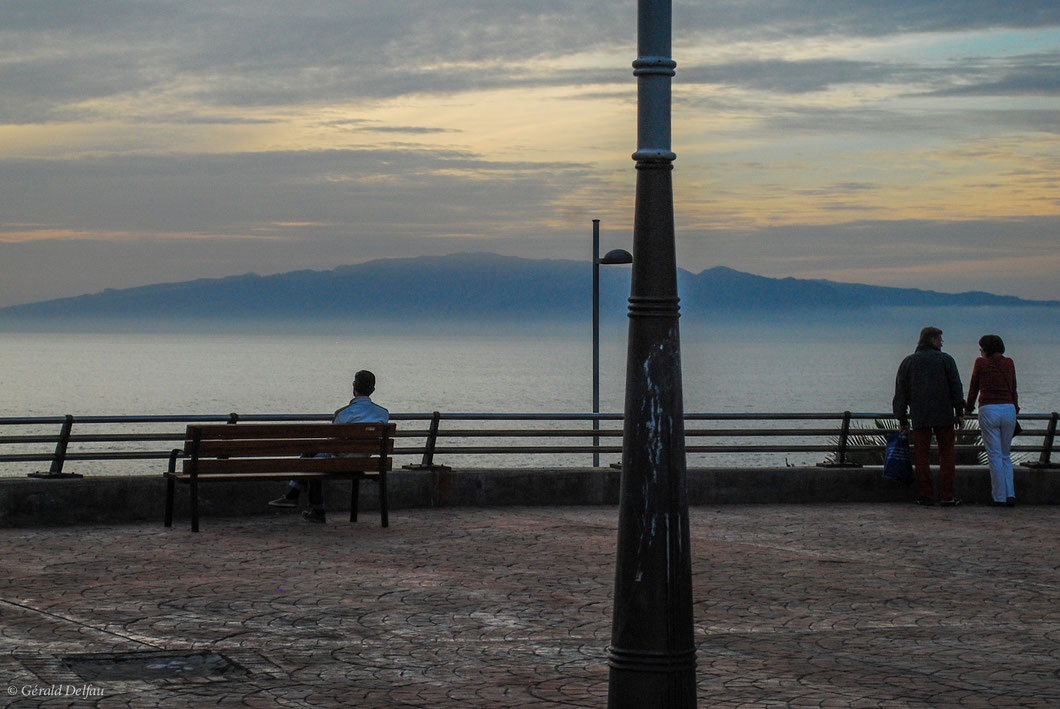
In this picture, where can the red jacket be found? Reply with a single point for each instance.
(994, 381)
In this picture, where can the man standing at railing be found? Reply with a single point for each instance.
(928, 390)
(361, 409)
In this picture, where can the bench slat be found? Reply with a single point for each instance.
(236, 466)
(260, 475)
(292, 447)
(353, 431)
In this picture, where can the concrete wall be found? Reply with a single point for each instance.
(107, 500)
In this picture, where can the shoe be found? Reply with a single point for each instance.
(1010, 502)
(995, 503)
(284, 502)
(952, 502)
(315, 516)
(925, 501)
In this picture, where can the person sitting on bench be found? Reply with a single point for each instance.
(361, 409)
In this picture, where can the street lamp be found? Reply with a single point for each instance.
(652, 656)
(616, 256)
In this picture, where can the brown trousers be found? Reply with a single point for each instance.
(946, 437)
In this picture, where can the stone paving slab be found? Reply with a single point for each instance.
(803, 605)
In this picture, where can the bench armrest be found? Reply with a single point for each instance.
(173, 455)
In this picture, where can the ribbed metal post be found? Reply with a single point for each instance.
(652, 655)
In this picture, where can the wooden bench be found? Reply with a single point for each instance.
(310, 451)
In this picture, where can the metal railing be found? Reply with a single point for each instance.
(117, 438)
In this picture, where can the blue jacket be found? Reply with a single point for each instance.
(928, 389)
(361, 410)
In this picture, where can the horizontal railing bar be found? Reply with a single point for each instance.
(509, 450)
(183, 418)
(481, 416)
(690, 449)
(619, 417)
(186, 418)
(222, 418)
(517, 433)
(32, 420)
(120, 455)
(113, 437)
(29, 439)
(586, 432)
(508, 433)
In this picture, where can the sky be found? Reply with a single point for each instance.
(911, 143)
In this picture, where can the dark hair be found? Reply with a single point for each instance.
(363, 383)
(927, 335)
(992, 344)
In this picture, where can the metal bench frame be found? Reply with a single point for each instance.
(306, 451)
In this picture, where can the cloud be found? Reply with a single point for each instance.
(1026, 75)
(794, 76)
(353, 190)
(262, 53)
(771, 18)
(252, 54)
(416, 130)
(304, 134)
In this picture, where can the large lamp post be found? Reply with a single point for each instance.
(616, 256)
(652, 656)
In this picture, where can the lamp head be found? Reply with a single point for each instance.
(616, 256)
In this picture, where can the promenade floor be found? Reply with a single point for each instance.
(804, 605)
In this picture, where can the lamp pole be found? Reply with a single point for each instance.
(652, 656)
(612, 257)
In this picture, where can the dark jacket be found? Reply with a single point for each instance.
(928, 387)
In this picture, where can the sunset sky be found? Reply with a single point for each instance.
(908, 143)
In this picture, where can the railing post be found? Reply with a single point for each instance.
(841, 449)
(59, 457)
(233, 419)
(844, 433)
(432, 440)
(60, 447)
(1044, 458)
(596, 439)
(428, 448)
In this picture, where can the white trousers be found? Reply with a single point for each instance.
(997, 422)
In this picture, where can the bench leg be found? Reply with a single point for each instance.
(355, 496)
(194, 504)
(384, 516)
(170, 484)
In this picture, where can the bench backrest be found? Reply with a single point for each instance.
(281, 448)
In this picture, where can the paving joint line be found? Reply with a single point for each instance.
(88, 626)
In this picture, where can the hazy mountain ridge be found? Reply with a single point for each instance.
(476, 286)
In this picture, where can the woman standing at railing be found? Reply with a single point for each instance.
(994, 381)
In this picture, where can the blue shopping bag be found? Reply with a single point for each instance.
(897, 462)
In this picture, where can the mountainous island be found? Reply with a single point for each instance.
(470, 287)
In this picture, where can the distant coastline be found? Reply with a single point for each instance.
(474, 288)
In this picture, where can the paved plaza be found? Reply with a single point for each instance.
(839, 605)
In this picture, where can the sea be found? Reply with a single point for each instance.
(764, 366)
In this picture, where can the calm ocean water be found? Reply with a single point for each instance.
(762, 368)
